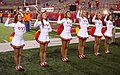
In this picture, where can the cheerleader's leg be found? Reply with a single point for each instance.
(66, 48)
(19, 59)
(99, 40)
(97, 45)
(105, 44)
(41, 53)
(81, 46)
(107, 41)
(44, 53)
(63, 48)
(19, 55)
(16, 59)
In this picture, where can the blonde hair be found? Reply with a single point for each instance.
(81, 13)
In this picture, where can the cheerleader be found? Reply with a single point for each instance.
(82, 33)
(65, 35)
(43, 38)
(108, 34)
(98, 33)
(17, 41)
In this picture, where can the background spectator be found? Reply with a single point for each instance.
(97, 4)
(89, 4)
(27, 18)
(1, 16)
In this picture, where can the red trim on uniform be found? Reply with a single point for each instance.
(41, 42)
(65, 38)
(17, 47)
(97, 36)
(82, 37)
(107, 37)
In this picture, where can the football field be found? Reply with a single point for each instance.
(104, 65)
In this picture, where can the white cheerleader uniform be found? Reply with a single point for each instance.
(19, 29)
(110, 26)
(98, 24)
(67, 23)
(83, 25)
(44, 37)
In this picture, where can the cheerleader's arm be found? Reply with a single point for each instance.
(93, 20)
(60, 21)
(78, 15)
(50, 29)
(37, 23)
(9, 25)
(105, 20)
(21, 14)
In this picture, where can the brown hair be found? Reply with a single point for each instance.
(109, 16)
(42, 18)
(66, 15)
(16, 18)
(97, 16)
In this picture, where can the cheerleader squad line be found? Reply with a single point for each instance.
(64, 31)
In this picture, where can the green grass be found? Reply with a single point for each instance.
(104, 65)
(4, 32)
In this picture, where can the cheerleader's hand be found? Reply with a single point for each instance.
(79, 7)
(107, 14)
(59, 11)
(9, 15)
(96, 14)
(38, 16)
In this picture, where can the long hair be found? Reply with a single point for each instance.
(66, 15)
(97, 16)
(109, 16)
(16, 18)
(42, 18)
(81, 13)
